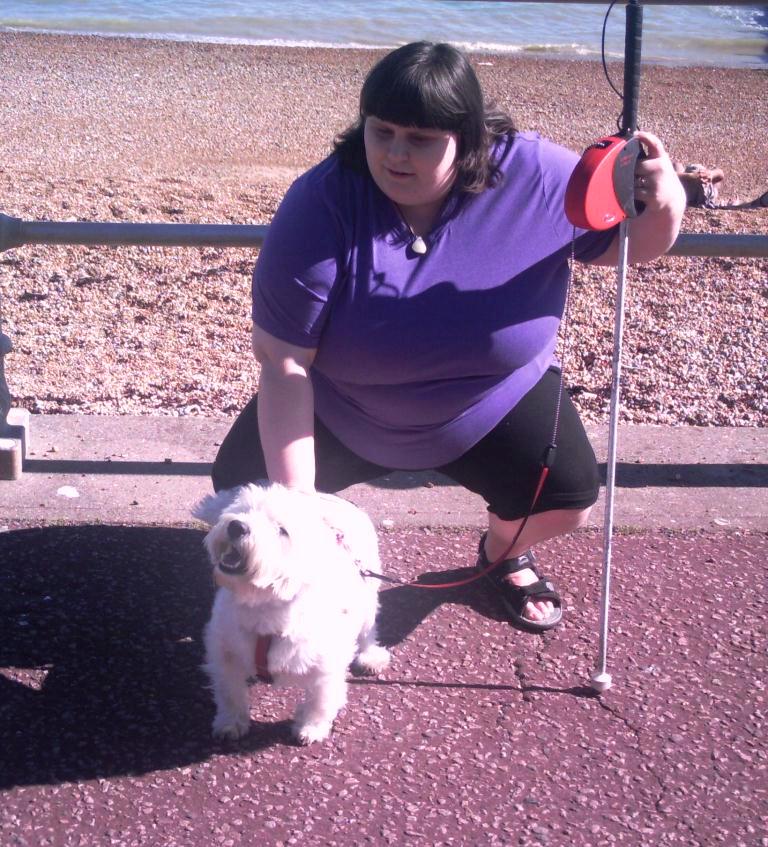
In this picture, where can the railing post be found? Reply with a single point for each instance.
(14, 424)
(6, 346)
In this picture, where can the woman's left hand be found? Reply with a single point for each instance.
(659, 189)
(657, 185)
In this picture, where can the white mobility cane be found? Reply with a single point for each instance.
(600, 194)
(600, 679)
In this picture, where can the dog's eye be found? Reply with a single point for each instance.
(283, 532)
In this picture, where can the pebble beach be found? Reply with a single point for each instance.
(135, 130)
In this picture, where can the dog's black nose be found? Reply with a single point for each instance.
(236, 529)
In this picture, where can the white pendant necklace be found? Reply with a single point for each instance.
(418, 244)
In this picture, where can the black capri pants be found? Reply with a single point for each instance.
(504, 467)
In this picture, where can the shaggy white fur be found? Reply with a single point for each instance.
(288, 565)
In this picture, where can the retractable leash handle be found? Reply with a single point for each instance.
(601, 190)
(599, 195)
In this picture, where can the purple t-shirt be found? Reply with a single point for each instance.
(420, 356)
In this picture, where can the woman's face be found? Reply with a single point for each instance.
(412, 166)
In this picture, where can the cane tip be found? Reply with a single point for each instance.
(601, 681)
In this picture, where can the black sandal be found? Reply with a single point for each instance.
(515, 597)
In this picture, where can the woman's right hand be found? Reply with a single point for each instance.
(286, 410)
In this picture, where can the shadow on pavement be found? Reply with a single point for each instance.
(101, 647)
(404, 607)
(628, 474)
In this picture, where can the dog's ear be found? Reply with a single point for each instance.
(211, 507)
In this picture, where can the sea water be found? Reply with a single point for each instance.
(717, 35)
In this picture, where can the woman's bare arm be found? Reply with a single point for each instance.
(286, 410)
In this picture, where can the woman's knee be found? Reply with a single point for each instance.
(579, 518)
(562, 521)
(551, 523)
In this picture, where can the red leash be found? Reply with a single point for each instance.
(546, 464)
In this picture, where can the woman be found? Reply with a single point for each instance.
(406, 304)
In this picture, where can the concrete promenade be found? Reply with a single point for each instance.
(150, 470)
(478, 734)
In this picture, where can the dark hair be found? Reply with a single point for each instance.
(432, 86)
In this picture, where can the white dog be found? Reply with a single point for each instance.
(292, 598)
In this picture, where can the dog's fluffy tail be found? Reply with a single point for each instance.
(213, 505)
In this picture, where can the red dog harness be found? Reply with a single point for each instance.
(263, 643)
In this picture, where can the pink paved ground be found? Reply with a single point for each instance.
(477, 734)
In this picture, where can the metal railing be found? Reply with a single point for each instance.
(15, 232)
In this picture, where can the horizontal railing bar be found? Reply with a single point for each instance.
(15, 232)
(624, 2)
(733, 245)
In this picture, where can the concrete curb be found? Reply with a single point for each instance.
(150, 470)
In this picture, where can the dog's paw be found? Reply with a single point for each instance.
(372, 660)
(231, 726)
(310, 732)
